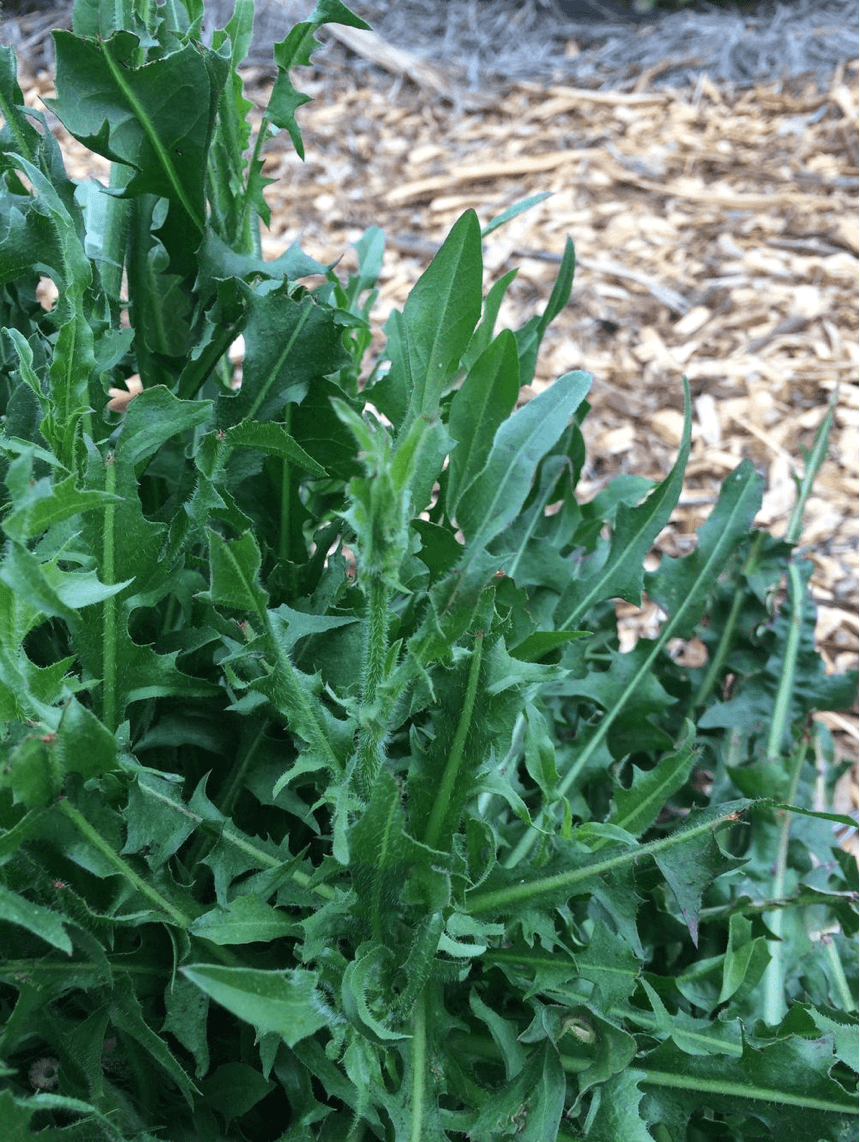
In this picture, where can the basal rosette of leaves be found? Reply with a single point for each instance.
(329, 807)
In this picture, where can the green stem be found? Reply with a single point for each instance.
(11, 118)
(838, 971)
(715, 667)
(484, 1048)
(284, 537)
(115, 236)
(774, 1006)
(813, 463)
(419, 1068)
(246, 228)
(442, 801)
(110, 605)
(95, 838)
(678, 1081)
(502, 899)
(780, 720)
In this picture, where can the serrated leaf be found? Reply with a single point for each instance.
(637, 807)
(617, 1114)
(610, 963)
(681, 586)
(360, 985)
(165, 141)
(47, 503)
(86, 745)
(288, 344)
(384, 856)
(246, 920)
(154, 417)
(786, 1085)
(690, 870)
(153, 826)
(274, 440)
(285, 1003)
(234, 573)
(532, 1102)
(127, 1016)
(633, 536)
(187, 1007)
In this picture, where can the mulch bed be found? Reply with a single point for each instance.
(716, 237)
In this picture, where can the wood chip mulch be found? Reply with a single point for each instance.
(716, 237)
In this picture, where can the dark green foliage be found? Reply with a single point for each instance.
(329, 806)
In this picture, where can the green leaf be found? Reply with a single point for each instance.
(529, 338)
(514, 211)
(481, 404)
(154, 417)
(86, 745)
(493, 500)
(274, 440)
(637, 807)
(42, 922)
(610, 964)
(295, 51)
(285, 1003)
(745, 960)
(15, 1113)
(246, 920)
(360, 986)
(575, 871)
(234, 1088)
(636, 528)
(786, 1085)
(127, 1016)
(531, 1104)
(288, 344)
(682, 586)
(234, 573)
(33, 771)
(689, 871)
(151, 826)
(187, 1007)
(47, 503)
(384, 856)
(438, 319)
(617, 1113)
(119, 111)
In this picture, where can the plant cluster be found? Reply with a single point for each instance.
(329, 806)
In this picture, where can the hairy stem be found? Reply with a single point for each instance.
(502, 899)
(372, 735)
